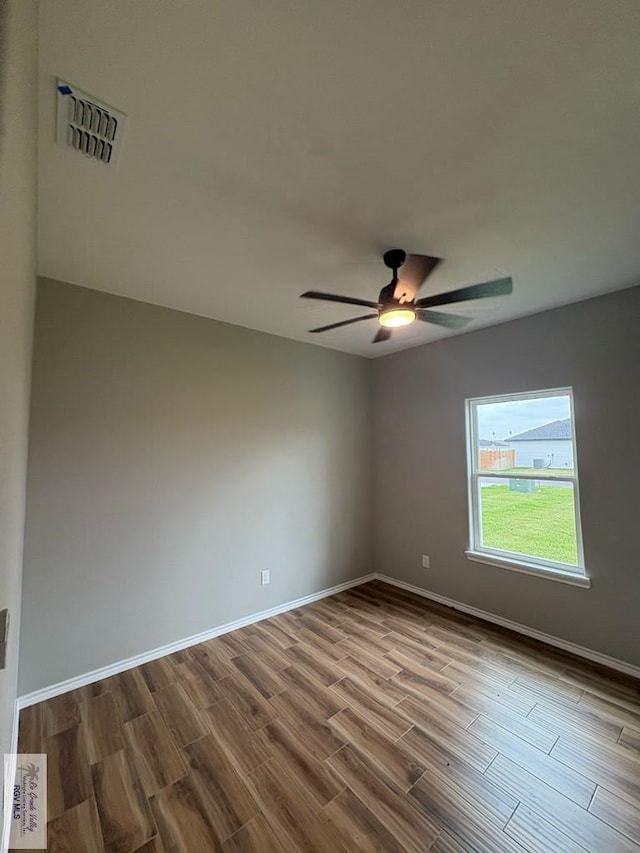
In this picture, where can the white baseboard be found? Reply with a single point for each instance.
(565, 645)
(129, 663)
(9, 776)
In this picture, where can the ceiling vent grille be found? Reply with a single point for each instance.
(87, 125)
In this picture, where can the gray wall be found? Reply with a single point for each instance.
(18, 129)
(421, 487)
(171, 459)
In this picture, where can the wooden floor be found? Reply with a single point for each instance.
(372, 720)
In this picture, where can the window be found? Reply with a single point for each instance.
(523, 484)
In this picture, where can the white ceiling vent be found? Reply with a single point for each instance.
(87, 125)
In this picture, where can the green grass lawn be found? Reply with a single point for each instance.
(540, 523)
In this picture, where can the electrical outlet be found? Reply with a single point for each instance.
(265, 576)
(425, 561)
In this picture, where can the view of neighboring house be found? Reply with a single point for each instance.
(546, 446)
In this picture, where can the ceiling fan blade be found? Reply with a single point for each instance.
(498, 287)
(449, 321)
(334, 297)
(344, 323)
(412, 275)
(382, 335)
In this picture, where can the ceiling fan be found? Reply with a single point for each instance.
(397, 304)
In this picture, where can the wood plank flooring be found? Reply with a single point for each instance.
(370, 721)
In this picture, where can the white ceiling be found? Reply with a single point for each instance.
(281, 146)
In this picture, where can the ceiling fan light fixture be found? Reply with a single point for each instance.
(397, 305)
(393, 318)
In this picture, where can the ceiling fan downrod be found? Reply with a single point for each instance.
(394, 259)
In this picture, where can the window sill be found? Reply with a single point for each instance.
(529, 569)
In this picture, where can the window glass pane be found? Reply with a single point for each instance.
(529, 517)
(526, 436)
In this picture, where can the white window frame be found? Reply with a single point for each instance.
(478, 552)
